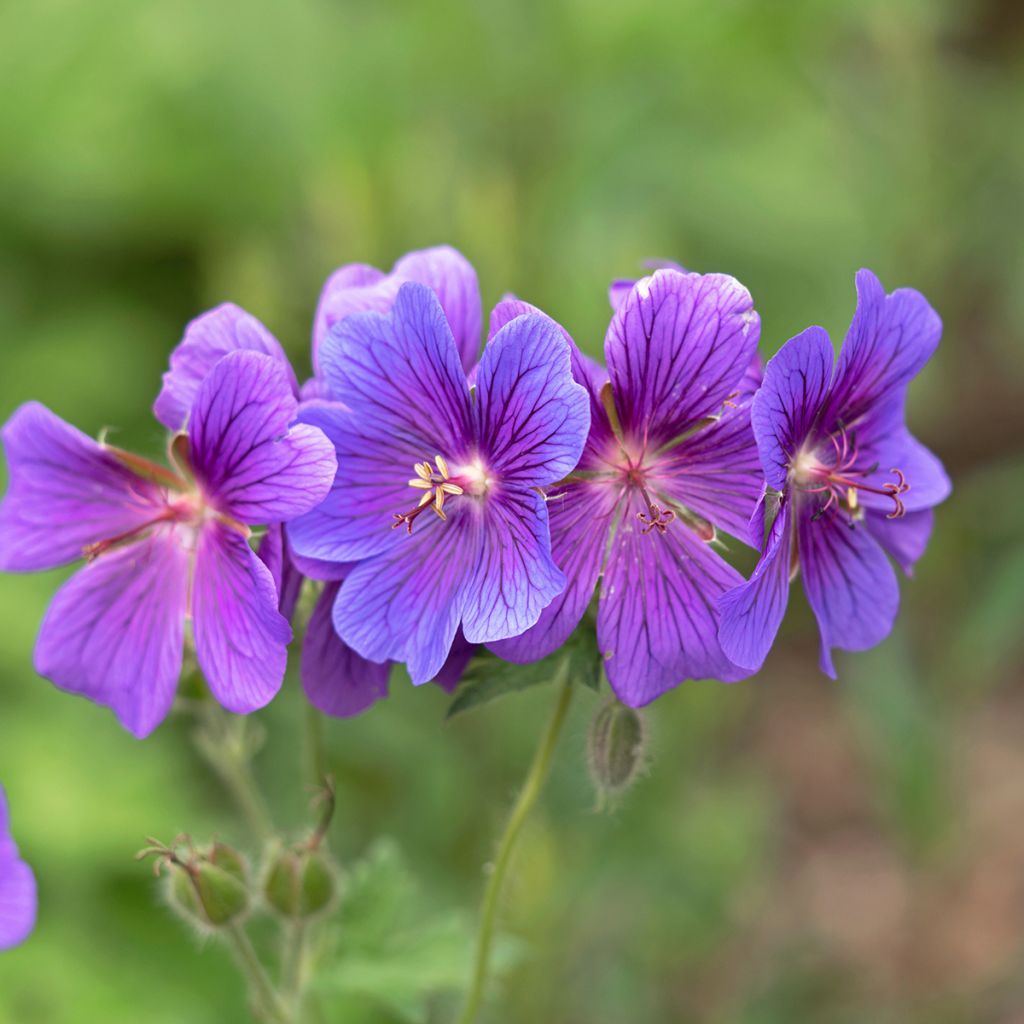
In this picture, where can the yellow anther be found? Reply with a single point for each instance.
(442, 466)
(439, 499)
(421, 484)
(426, 499)
(449, 488)
(423, 470)
(851, 498)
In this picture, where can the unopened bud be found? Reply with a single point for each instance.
(300, 882)
(615, 749)
(208, 887)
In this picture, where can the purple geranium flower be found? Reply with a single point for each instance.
(669, 460)
(17, 887)
(848, 481)
(438, 492)
(163, 546)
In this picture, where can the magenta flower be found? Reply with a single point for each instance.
(164, 546)
(670, 459)
(438, 492)
(17, 887)
(848, 481)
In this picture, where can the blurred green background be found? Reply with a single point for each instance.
(799, 850)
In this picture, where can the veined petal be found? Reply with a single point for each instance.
(677, 349)
(657, 621)
(716, 472)
(355, 520)
(905, 539)
(275, 553)
(400, 374)
(453, 280)
(336, 680)
(752, 612)
(533, 417)
(789, 403)
(113, 632)
(208, 338)
(849, 583)
(65, 492)
(581, 516)
(890, 340)
(349, 289)
(358, 289)
(515, 576)
(244, 450)
(241, 637)
(406, 603)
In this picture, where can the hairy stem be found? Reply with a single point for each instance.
(268, 1003)
(528, 795)
(222, 741)
(293, 956)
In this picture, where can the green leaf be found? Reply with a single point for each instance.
(393, 947)
(489, 676)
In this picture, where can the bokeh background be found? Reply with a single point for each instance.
(799, 849)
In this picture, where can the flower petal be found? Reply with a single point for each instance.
(453, 280)
(241, 447)
(796, 382)
(890, 340)
(905, 539)
(849, 583)
(241, 637)
(657, 621)
(336, 680)
(533, 417)
(455, 665)
(113, 632)
(581, 516)
(677, 349)
(208, 338)
(17, 888)
(515, 577)
(65, 492)
(355, 519)
(405, 604)
(752, 612)
(400, 373)
(359, 289)
(275, 553)
(716, 472)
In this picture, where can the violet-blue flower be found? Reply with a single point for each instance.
(848, 480)
(164, 546)
(438, 491)
(670, 459)
(17, 887)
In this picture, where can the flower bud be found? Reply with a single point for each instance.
(299, 882)
(207, 887)
(615, 749)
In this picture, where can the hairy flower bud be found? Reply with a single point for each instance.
(615, 749)
(207, 887)
(299, 882)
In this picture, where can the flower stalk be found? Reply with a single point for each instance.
(528, 796)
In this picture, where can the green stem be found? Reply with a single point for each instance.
(293, 963)
(223, 743)
(528, 795)
(261, 988)
(315, 744)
